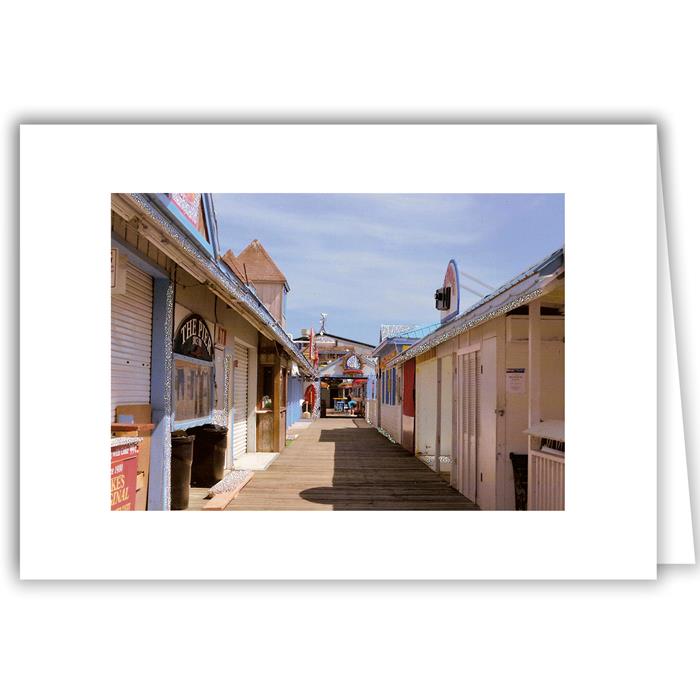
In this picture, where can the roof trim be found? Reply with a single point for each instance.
(332, 335)
(394, 340)
(229, 283)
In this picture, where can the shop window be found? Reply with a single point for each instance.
(192, 390)
(193, 373)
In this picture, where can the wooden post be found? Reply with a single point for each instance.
(276, 404)
(456, 426)
(534, 347)
(438, 418)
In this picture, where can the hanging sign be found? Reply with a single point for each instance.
(447, 297)
(353, 364)
(193, 339)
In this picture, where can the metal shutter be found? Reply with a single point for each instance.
(240, 401)
(132, 317)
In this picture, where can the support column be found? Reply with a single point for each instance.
(438, 415)
(534, 347)
(161, 387)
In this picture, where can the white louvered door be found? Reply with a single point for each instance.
(132, 318)
(240, 400)
(469, 423)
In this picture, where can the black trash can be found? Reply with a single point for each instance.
(209, 456)
(323, 408)
(520, 480)
(181, 445)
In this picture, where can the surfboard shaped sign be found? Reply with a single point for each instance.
(447, 297)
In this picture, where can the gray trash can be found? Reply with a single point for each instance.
(181, 445)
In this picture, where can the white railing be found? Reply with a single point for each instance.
(545, 481)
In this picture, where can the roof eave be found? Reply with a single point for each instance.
(229, 284)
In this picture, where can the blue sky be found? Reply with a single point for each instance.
(368, 259)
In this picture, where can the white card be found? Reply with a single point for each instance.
(608, 176)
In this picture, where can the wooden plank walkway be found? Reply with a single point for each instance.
(345, 464)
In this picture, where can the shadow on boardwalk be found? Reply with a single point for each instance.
(344, 464)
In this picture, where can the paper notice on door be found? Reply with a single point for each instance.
(515, 380)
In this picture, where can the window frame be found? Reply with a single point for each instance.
(202, 420)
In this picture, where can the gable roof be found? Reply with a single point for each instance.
(259, 265)
(335, 337)
(337, 367)
(232, 262)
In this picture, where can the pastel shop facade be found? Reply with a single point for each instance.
(185, 332)
(390, 406)
(489, 393)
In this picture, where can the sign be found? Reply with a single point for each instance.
(313, 352)
(123, 476)
(515, 380)
(220, 336)
(188, 204)
(193, 339)
(451, 283)
(118, 272)
(353, 364)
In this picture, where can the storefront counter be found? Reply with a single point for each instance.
(265, 426)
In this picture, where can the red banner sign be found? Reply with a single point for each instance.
(123, 480)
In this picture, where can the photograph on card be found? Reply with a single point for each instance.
(358, 352)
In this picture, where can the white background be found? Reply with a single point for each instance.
(505, 62)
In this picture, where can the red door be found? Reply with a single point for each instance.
(408, 409)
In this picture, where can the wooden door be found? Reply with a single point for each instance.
(486, 446)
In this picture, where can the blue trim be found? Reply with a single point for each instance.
(161, 343)
(211, 222)
(166, 204)
(139, 260)
(295, 394)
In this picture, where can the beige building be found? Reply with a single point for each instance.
(489, 394)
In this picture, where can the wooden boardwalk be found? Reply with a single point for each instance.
(345, 464)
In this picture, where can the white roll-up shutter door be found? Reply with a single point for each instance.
(132, 318)
(240, 400)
